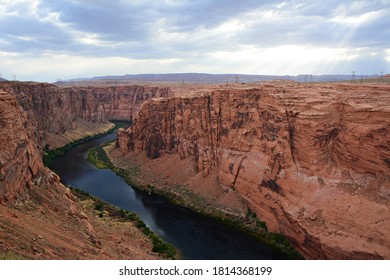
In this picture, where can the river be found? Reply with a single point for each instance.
(195, 236)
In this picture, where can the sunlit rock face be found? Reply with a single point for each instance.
(313, 161)
(53, 110)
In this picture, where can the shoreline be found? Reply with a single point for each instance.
(249, 224)
(50, 155)
(104, 209)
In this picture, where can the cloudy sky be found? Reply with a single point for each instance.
(44, 40)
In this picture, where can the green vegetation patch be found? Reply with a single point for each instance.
(49, 156)
(276, 240)
(99, 158)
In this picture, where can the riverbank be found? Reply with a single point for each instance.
(109, 213)
(243, 219)
(80, 128)
(122, 234)
(50, 155)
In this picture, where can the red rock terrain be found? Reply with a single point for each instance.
(313, 161)
(123, 102)
(39, 217)
(52, 111)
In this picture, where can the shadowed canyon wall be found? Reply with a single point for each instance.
(313, 161)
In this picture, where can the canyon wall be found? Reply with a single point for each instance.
(20, 160)
(29, 190)
(32, 114)
(52, 110)
(39, 217)
(313, 161)
(124, 102)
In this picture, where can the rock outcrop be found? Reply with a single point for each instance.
(24, 179)
(124, 102)
(39, 217)
(52, 110)
(313, 161)
(20, 161)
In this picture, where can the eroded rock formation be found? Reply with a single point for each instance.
(123, 102)
(313, 161)
(39, 217)
(52, 110)
(20, 160)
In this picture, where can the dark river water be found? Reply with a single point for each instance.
(194, 235)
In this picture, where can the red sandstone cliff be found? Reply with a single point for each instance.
(20, 160)
(24, 181)
(311, 161)
(39, 217)
(52, 110)
(124, 102)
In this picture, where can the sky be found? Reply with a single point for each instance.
(47, 40)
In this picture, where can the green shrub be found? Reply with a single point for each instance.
(132, 216)
(146, 231)
(261, 224)
(122, 213)
(140, 224)
(163, 248)
(99, 206)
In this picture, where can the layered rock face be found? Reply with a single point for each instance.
(52, 110)
(31, 113)
(20, 160)
(39, 217)
(124, 102)
(23, 178)
(313, 161)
